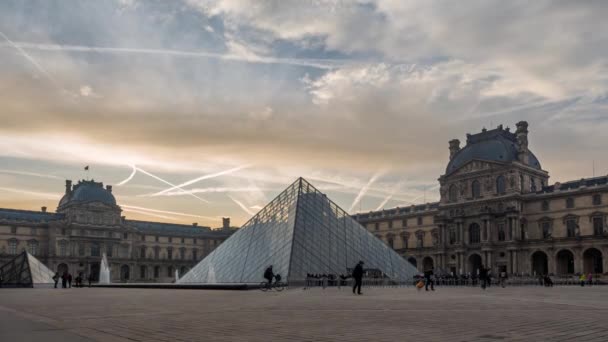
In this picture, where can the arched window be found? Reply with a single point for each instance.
(571, 227)
(453, 193)
(474, 233)
(501, 187)
(476, 189)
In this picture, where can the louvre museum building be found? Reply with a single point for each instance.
(498, 208)
(88, 223)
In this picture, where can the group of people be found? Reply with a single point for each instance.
(588, 279)
(66, 280)
(325, 280)
(484, 277)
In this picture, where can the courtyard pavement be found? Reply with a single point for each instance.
(380, 314)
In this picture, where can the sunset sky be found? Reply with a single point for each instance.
(233, 100)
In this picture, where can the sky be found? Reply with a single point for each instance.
(200, 109)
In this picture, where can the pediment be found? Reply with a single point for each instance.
(475, 166)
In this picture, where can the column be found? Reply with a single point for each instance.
(510, 262)
(516, 229)
(578, 260)
(461, 233)
(515, 266)
(490, 261)
(484, 232)
(509, 232)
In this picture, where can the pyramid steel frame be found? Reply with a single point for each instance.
(25, 271)
(301, 231)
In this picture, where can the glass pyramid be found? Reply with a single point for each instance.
(301, 231)
(26, 271)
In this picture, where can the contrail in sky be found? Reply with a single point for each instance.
(306, 62)
(150, 214)
(195, 180)
(128, 178)
(168, 183)
(364, 189)
(241, 205)
(388, 198)
(208, 190)
(25, 173)
(34, 63)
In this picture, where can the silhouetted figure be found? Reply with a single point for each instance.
(483, 276)
(69, 280)
(269, 275)
(358, 276)
(428, 280)
(56, 278)
(64, 280)
(90, 279)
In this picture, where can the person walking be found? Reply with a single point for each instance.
(90, 279)
(483, 276)
(428, 279)
(56, 278)
(358, 277)
(582, 279)
(590, 279)
(70, 280)
(64, 280)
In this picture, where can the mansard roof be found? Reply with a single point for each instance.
(28, 216)
(572, 185)
(498, 145)
(160, 228)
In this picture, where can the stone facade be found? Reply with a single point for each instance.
(497, 209)
(88, 223)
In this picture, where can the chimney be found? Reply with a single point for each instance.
(68, 186)
(43, 209)
(523, 154)
(195, 224)
(454, 147)
(109, 188)
(226, 222)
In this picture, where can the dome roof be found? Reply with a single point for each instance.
(495, 145)
(88, 191)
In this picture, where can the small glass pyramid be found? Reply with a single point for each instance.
(301, 231)
(26, 271)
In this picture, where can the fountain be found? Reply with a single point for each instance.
(176, 275)
(104, 270)
(211, 275)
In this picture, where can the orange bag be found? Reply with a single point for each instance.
(420, 284)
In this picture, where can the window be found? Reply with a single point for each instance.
(474, 233)
(453, 193)
(476, 189)
(13, 230)
(376, 226)
(404, 223)
(95, 249)
(62, 248)
(501, 232)
(597, 199)
(156, 252)
(546, 229)
(183, 240)
(420, 220)
(142, 272)
(63, 231)
(170, 253)
(390, 224)
(598, 226)
(570, 203)
(143, 238)
(142, 252)
(125, 236)
(404, 239)
(109, 249)
(420, 241)
(452, 236)
(571, 228)
(12, 247)
(390, 241)
(532, 184)
(156, 238)
(501, 186)
(170, 239)
(182, 253)
(194, 241)
(32, 247)
(81, 249)
(156, 271)
(194, 254)
(170, 271)
(544, 205)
